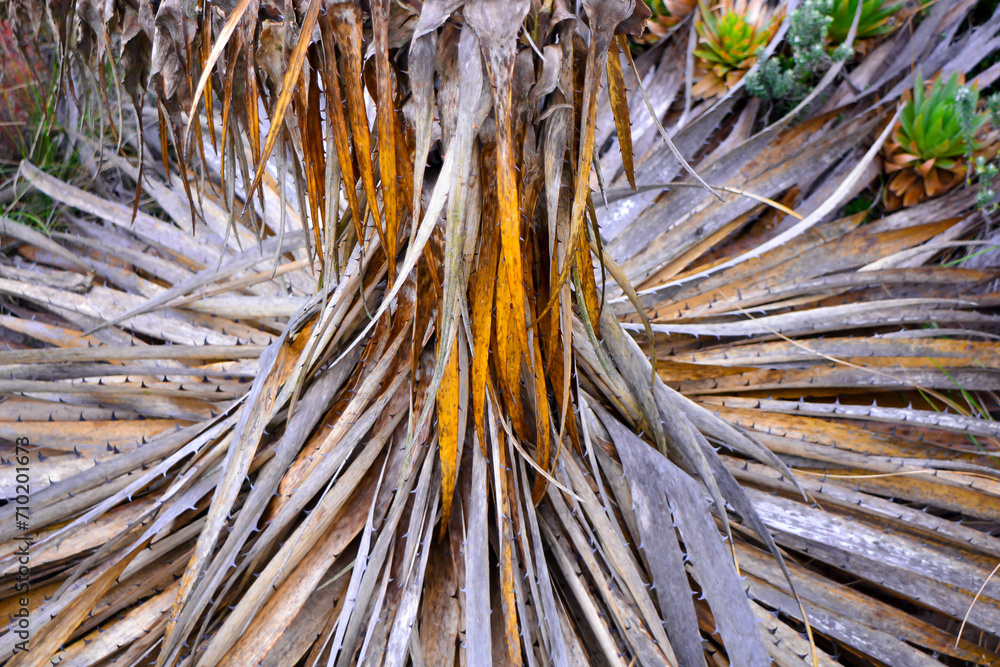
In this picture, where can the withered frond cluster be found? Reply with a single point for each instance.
(407, 335)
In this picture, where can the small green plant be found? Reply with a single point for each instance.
(985, 173)
(986, 170)
(931, 147)
(972, 121)
(993, 109)
(969, 119)
(790, 77)
(35, 136)
(816, 36)
(863, 202)
(730, 37)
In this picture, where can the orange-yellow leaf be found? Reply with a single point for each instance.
(591, 299)
(206, 73)
(542, 429)
(509, 350)
(334, 102)
(206, 53)
(482, 307)
(227, 105)
(288, 88)
(581, 188)
(165, 155)
(346, 21)
(312, 149)
(386, 131)
(619, 105)
(447, 409)
(404, 167)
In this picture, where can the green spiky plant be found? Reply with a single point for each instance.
(929, 151)
(877, 19)
(731, 32)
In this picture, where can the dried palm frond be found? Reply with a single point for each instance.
(358, 378)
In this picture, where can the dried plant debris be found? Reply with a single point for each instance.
(394, 332)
